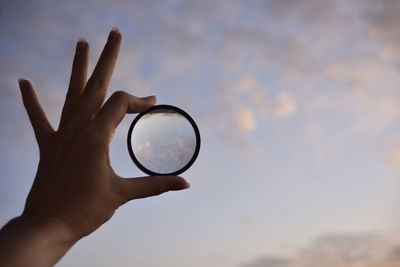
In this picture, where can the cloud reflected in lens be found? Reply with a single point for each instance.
(163, 141)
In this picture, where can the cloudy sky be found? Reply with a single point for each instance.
(297, 103)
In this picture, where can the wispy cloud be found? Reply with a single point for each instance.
(244, 119)
(285, 105)
(344, 250)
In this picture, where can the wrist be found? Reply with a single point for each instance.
(54, 230)
(24, 236)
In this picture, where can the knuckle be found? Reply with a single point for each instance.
(92, 133)
(119, 96)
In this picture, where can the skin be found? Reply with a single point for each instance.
(75, 189)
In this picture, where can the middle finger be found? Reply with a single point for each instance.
(96, 87)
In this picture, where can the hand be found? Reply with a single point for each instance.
(75, 189)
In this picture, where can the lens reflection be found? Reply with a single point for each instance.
(163, 141)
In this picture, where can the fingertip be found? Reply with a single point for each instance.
(114, 35)
(186, 183)
(23, 84)
(179, 183)
(81, 44)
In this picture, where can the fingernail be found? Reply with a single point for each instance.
(181, 185)
(151, 100)
(148, 98)
(81, 40)
(187, 185)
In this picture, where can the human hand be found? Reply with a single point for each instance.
(75, 189)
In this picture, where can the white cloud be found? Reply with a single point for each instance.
(285, 105)
(246, 83)
(244, 119)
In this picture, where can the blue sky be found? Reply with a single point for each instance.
(297, 103)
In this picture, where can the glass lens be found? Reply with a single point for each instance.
(163, 141)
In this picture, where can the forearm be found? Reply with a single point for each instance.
(27, 241)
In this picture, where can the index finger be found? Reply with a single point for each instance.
(116, 107)
(101, 76)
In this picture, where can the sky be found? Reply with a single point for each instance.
(297, 103)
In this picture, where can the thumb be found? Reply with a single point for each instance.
(132, 188)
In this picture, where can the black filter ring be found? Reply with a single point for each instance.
(181, 112)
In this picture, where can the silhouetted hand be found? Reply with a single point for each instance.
(75, 189)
